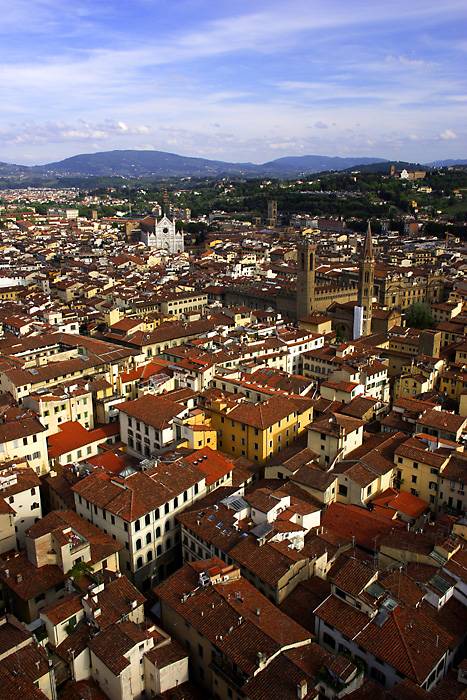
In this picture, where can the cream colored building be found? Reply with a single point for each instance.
(54, 407)
(24, 440)
(332, 438)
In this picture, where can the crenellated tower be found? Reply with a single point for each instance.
(306, 266)
(366, 282)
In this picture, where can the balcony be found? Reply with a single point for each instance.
(76, 541)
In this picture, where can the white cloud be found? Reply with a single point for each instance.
(448, 135)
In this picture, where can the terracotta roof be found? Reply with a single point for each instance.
(19, 428)
(102, 545)
(167, 654)
(156, 411)
(63, 609)
(402, 502)
(111, 645)
(27, 581)
(353, 576)
(234, 615)
(354, 521)
(212, 463)
(72, 435)
(442, 420)
(134, 496)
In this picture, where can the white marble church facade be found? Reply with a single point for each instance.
(164, 236)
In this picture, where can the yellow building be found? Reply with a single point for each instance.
(411, 384)
(10, 293)
(453, 382)
(418, 469)
(417, 378)
(196, 431)
(257, 430)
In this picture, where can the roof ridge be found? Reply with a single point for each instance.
(394, 617)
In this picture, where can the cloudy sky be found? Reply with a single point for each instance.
(233, 79)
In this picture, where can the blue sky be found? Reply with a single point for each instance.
(234, 80)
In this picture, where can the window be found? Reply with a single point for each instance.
(414, 479)
(158, 532)
(156, 514)
(137, 525)
(329, 641)
(139, 562)
(166, 508)
(159, 550)
(342, 490)
(147, 519)
(138, 544)
(148, 538)
(150, 555)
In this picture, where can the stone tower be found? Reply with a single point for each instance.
(306, 265)
(272, 213)
(366, 282)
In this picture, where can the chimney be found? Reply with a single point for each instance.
(302, 689)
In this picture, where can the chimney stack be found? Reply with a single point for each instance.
(302, 689)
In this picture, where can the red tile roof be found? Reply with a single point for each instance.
(73, 435)
(354, 521)
(213, 464)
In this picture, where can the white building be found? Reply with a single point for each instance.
(164, 236)
(19, 487)
(139, 512)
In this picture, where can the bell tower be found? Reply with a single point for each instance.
(366, 282)
(306, 267)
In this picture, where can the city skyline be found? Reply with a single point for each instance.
(241, 84)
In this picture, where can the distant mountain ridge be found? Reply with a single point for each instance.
(161, 164)
(133, 163)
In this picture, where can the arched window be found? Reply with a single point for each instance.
(138, 544)
(150, 555)
(158, 532)
(148, 538)
(139, 562)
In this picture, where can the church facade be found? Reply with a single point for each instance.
(163, 236)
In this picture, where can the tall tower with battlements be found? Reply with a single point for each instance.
(366, 282)
(306, 266)
(272, 213)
